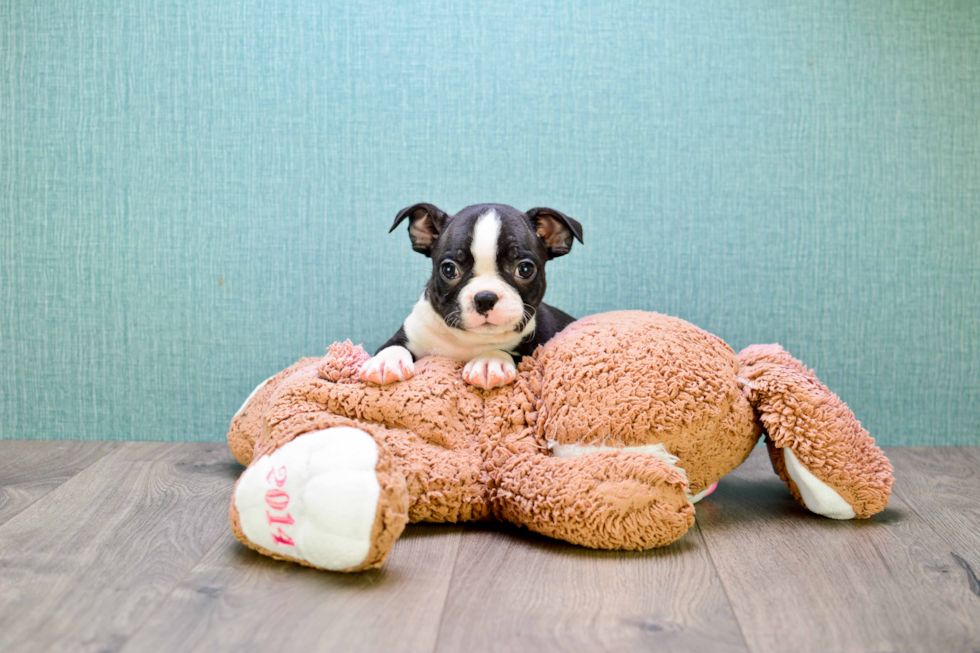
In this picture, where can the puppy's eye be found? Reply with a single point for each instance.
(526, 270)
(449, 270)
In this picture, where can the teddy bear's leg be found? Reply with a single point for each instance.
(332, 499)
(444, 484)
(815, 443)
(603, 500)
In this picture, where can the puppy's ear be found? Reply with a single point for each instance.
(556, 230)
(425, 224)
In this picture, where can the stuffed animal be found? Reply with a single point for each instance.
(610, 434)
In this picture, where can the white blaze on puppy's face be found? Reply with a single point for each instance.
(509, 309)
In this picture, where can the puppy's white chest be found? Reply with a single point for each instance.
(429, 335)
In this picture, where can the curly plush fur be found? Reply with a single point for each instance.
(606, 435)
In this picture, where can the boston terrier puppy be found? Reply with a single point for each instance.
(483, 302)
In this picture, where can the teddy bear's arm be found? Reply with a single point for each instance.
(819, 449)
(604, 500)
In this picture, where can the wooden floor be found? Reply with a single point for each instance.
(126, 547)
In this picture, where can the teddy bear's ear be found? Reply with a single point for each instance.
(425, 224)
(556, 230)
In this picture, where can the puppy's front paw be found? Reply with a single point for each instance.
(390, 365)
(490, 370)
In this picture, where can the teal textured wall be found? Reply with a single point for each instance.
(195, 194)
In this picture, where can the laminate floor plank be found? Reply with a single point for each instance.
(237, 600)
(83, 567)
(109, 546)
(942, 486)
(29, 469)
(516, 591)
(800, 582)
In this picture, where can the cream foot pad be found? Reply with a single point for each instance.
(314, 498)
(817, 496)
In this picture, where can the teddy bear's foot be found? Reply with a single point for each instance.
(330, 499)
(703, 493)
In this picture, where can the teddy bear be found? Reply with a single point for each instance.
(607, 438)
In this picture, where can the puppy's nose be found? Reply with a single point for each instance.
(484, 301)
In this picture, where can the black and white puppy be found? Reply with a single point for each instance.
(483, 302)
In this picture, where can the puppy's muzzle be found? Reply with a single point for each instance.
(484, 301)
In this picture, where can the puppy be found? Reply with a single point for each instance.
(483, 302)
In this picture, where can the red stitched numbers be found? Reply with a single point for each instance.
(278, 500)
(278, 478)
(276, 519)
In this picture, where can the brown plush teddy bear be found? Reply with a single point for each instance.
(609, 435)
